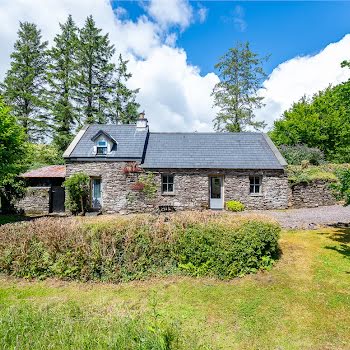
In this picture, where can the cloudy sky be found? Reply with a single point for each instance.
(172, 46)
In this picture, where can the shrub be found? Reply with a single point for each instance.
(295, 155)
(149, 185)
(234, 206)
(134, 247)
(77, 190)
(342, 188)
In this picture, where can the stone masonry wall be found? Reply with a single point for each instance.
(310, 195)
(191, 188)
(35, 201)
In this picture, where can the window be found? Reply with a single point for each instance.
(101, 147)
(255, 184)
(168, 183)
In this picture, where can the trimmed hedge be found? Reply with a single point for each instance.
(134, 247)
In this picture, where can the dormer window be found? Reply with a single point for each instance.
(101, 148)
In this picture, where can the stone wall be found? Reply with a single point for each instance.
(313, 194)
(191, 187)
(36, 200)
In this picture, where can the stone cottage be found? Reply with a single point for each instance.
(191, 170)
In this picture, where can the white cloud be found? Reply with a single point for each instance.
(202, 13)
(169, 13)
(238, 19)
(303, 75)
(173, 93)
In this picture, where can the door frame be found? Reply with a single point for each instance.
(222, 177)
(92, 178)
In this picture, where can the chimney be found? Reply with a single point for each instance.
(142, 122)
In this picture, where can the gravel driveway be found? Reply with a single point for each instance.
(309, 218)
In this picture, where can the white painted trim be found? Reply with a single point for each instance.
(75, 141)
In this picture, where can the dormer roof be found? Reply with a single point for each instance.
(105, 134)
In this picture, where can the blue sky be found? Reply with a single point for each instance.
(282, 30)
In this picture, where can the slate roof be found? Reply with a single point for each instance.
(130, 142)
(248, 150)
(57, 171)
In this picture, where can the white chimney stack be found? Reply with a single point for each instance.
(142, 122)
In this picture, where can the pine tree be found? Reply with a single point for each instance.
(125, 105)
(62, 78)
(95, 74)
(236, 95)
(24, 84)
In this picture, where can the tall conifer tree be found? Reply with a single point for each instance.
(24, 85)
(95, 74)
(125, 108)
(63, 80)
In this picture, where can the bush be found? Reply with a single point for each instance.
(234, 206)
(342, 188)
(295, 155)
(134, 247)
(77, 190)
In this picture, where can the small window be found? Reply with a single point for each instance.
(168, 183)
(255, 184)
(101, 147)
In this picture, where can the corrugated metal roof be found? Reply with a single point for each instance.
(130, 142)
(58, 171)
(246, 150)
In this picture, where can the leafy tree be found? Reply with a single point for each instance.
(44, 154)
(77, 190)
(125, 105)
(13, 153)
(95, 83)
(63, 78)
(24, 84)
(322, 121)
(236, 95)
(342, 187)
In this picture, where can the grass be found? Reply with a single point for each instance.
(324, 172)
(11, 218)
(302, 303)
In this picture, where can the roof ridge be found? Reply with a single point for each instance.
(205, 133)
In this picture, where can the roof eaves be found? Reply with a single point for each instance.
(75, 141)
(275, 150)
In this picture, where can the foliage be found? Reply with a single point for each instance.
(27, 327)
(325, 172)
(13, 154)
(43, 154)
(295, 155)
(62, 77)
(234, 206)
(125, 105)
(236, 95)
(322, 122)
(95, 82)
(134, 247)
(77, 192)
(149, 185)
(24, 84)
(342, 187)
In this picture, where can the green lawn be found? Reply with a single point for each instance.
(302, 303)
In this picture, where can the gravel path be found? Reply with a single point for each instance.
(309, 218)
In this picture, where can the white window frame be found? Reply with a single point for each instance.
(167, 183)
(102, 147)
(257, 183)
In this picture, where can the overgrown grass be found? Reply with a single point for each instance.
(69, 326)
(135, 247)
(325, 172)
(302, 303)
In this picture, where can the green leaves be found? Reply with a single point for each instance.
(322, 122)
(236, 95)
